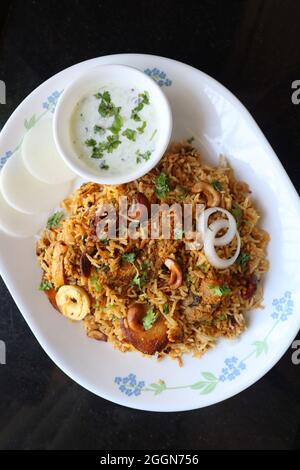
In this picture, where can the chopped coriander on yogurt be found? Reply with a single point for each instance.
(115, 124)
(142, 156)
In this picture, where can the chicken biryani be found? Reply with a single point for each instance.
(161, 296)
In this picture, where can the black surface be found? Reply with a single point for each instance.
(250, 46)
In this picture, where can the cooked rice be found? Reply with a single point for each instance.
(193, 327)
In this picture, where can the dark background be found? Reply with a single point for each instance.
(253, 48)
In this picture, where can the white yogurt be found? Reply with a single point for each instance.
(124, 103)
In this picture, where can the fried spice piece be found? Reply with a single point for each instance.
(148, 341)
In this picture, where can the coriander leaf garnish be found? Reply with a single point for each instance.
(203, 267)
(142, 128)
(190, 140)
(237, 213)
(55, 219)
(146, 155)
(129, 257)
(106, 107)
(220, 290)
(97, 152)
(105, 96)
(153, 134)
(166, 309)
(91, 143)
(108, 146)
(134, 115)
(149, 319)
(188, 279)
(99, 129)
(112, 143)
(145, 97)
(146, 264)
(143, 100)
(222, 317)
(46, 285)
(130, 134)
(142, 156)
(242, 259)
(162, 187)
(104, 166)
(107, 307)
(217, 185)
(95, 282)
(117, 124)
(139, 280)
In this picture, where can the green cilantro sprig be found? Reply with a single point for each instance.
(117, 124)
(142, 156)
(106, 108)
(46, 285)
(166, 309)
(203, 267)
(143, 100)
(162, 185)
(153, 134)
(130, 134)
(139, 280)
(129, 257)
(242, 259)
(112, 143)
(237, 213)
(95, 282)
(142, 128)
(149, 319)
(55, 219)
(220, 291)
(107, 308)
(217, 185)
(99, 129)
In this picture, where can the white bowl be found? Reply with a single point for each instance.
(88, 82)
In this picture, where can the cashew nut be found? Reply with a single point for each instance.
(135, 314)
(212, 196)
(176, 277)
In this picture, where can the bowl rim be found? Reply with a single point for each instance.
(83, 170)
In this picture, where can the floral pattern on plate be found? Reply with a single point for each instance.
(233, 366)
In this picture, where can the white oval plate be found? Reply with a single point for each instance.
(220, 124)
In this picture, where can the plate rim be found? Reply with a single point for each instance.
(42, 339)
